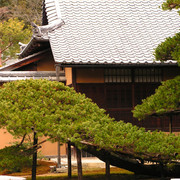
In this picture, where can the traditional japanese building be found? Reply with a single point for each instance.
(103, 48)
(106, 50)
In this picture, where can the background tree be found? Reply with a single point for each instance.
(4, 3)
(53, 110)
(26, 10)
(11, 33)
(4, 13)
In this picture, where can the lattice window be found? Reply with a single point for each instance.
(148, 75)
(118, 75)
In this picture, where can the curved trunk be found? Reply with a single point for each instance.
(134, 165)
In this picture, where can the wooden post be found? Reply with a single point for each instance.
(0, 58)
(170, 124)
(57, 73)
(107, 169)
(59, 154)
(34, 164)
(79, 164)
(58, 148)
(162, 170)
(69, 160)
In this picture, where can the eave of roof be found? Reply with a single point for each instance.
(34, 46)
(39, 40)
(25, 61)
(121, 63)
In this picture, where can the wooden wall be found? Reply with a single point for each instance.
(119, 99)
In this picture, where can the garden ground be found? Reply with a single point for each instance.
(93, 169)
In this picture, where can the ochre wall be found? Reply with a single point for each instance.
(68, 75)
(5, 138)
(46, 64)
(48, 148)
(89, 75)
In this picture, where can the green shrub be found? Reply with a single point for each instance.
(14, 158)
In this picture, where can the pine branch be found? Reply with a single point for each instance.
(10, 44)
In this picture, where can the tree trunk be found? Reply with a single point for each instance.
(34, 164)
(79, 164)
(107, 169)
(131, 164)
(69, 160)
(59, 155)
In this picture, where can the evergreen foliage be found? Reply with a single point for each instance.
(170, 48)
(14, 158)
(167, 96)
(171, 4)
(11, 33)
(165, 99)
(57, 111)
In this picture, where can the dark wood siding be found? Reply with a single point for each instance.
(120, 98)
(94, 91)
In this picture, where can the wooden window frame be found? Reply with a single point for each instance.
(133, 75)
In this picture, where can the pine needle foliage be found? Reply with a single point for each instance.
(55, 110)
(13, 159)
(167, 96)
(12, 32)
(166, 99)
(170, 48)
(171, 4)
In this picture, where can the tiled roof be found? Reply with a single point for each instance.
(109, 31)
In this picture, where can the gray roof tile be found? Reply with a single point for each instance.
(108, 31)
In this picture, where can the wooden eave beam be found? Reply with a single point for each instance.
(25, 61)
(115, 65)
